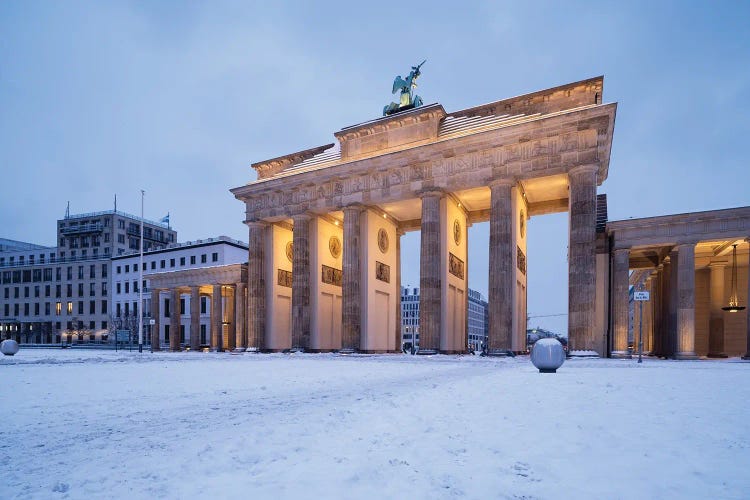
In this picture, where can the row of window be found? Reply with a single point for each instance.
(172, 263)
(58, 291)
(22, 260)
(58, 308)
(45, 274)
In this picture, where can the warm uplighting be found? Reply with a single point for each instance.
(385, 216)
(734, 302)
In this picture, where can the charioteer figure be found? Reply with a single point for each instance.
(409, 99)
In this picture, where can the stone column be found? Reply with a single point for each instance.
(217, 341)
(301, 282)
(256, 287)
(397, 344)
(174, 321)
(620, 302)
(156, 316)
(686, 302)
(429, 274)
(350, 291)
(656, 311)
(648, 319)
(239, 318)
(582, 259)
(501, 272)
(716, 315)
(195, 318)
(229, 291)
(671, 340)
(666, 304)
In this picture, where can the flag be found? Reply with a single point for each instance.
(165, 219)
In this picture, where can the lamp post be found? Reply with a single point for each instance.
(140, 283)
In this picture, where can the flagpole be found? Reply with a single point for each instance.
(140, 284)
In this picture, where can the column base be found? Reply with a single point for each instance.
(583, 354)
(686, 356)
(716, 355)
(426, 352)
(746, 356)
(347, 350)
(255, 350)
(622, 355)
(499, 353)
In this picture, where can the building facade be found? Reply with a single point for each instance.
(63, 293)
(190, 255)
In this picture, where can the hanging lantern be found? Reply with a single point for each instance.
(734, 303)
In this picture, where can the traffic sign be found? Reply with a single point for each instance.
(641, 296)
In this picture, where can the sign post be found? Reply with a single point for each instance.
(640, 297)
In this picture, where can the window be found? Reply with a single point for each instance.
(92, 307)
(104, 307)
(182, 334)
(80, 289)
(171, 262)
(80, 307)
(127, 308)
(127, 287)
(204, 301)
(104, 288)
(215, 257)
(121, 224)
(58, 291)
(104, 270)
(69, 290)
(104, 325)
(37, 291)
(58, 274)
(46, 308)
(117, 308)
(80, 272)
(182, 306)
(127, 268)
(119, 269)
(92, 325)
(192, 260)
(36, 309)
(48, 274)
(92, 289)
(26, 309)
(166, 333)
(203, 258)
(182, 261)
(121, 238)
(118, 290)
(162, 264)
(92, 271)
(70, 308)
(135, 286)
(7, 292)
(70, 272)
(166, 308)
(153, 264)
(15, 292)
(26, 292)
(203, 334)
(58, 308)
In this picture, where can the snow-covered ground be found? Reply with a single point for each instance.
(100, 424)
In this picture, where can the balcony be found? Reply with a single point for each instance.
(82, 229)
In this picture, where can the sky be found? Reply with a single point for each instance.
(99, 99)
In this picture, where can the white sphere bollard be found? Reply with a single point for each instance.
(548, 355)
(9, 347)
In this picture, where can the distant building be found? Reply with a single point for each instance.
(60, 293)
(205, 253)
(477, 318)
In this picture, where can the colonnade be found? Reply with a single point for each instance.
(227, 316)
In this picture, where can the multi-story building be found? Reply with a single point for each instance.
(477, 318)
(203, 253)
(54, 294)
(478, 324)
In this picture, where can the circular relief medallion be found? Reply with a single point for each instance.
(290, 251)
(383, 240)
(334, 245)
(522, 224)
(457, 232)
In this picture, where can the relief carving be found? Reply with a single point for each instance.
(455, 266)
(382, 272)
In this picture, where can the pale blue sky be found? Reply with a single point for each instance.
(98, 98)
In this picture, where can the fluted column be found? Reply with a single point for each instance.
(350, 291)
(501, 273)
(239, 317)
(229, 293)
(648, 318)
(217, 341)
(429, 274)
(620, 301)
(174, 321)
(195, 318)
(256, 287)
(301, 282)
(156, 316)
(582, 259)
(686, 302)
(716, 315)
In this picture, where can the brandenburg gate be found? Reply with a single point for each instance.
(325, 223)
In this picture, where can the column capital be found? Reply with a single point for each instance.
(354, 207)
(430, 192)
(256, 224)
(718, 264)
(302, 216)
(502, 181)
(621, 250)
(580, 169)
